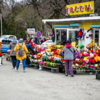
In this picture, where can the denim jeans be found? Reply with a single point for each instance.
(13, 58)
(18, 62)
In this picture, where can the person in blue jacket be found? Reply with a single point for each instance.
(29, 47)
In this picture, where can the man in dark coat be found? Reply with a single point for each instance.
(63, 38)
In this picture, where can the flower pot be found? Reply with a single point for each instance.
(98, 76)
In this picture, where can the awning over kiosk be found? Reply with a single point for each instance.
(61, 26)
(74, 25)
(95, 26)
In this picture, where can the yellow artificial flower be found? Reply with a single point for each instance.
(96, 65)
(85, 58)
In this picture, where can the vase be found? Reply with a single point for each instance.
(0, 60)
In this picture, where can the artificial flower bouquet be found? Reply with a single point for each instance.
(93, 67)
(57, 60)
(50, 64)
(78, 66)
(35, 61)
(9, 51)
(44, 63)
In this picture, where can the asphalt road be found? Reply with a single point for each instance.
(44, 85)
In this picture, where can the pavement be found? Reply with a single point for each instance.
(44, 85)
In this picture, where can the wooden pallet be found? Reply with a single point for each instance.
(35, 65)
(53, 70)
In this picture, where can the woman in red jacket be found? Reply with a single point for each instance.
(29, 41)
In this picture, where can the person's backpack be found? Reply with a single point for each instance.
(20, 51)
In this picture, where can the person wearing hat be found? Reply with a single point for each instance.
(21, 52)
(29, 41)
(13, 53)
(68, 57)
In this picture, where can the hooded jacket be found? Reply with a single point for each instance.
(68, 52)
(25, 51)
(11, 47)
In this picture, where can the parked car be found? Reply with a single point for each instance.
(46, 43)
(5, 45)
(11, 37)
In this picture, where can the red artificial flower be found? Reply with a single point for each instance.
(93, 61)
(83, 64)
(51, 58)
(78, 66)
(63, 60)
(1, 54)
(44, 63)
(55, 52)
(88, 65)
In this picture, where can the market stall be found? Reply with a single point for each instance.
(84, 34)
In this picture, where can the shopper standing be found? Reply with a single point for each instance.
(29, 41)
(68, 57)
(12, 52)
(21, 51)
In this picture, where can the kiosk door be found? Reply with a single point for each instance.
(96, 36)
(58, 34)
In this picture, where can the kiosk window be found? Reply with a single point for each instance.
(58, 36)
(73, 36)
(97, 37)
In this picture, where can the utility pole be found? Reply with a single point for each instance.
(1, 23)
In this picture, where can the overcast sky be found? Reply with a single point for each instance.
(18, 0)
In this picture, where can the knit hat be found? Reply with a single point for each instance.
(28, 38)
(20, 40)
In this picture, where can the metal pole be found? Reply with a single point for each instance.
(1, 24)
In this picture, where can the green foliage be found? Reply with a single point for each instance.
(17, 22)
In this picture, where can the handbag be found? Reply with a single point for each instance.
(28, 60)
(72, 53)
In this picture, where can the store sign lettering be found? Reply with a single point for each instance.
(72, 10)
(80, 8)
